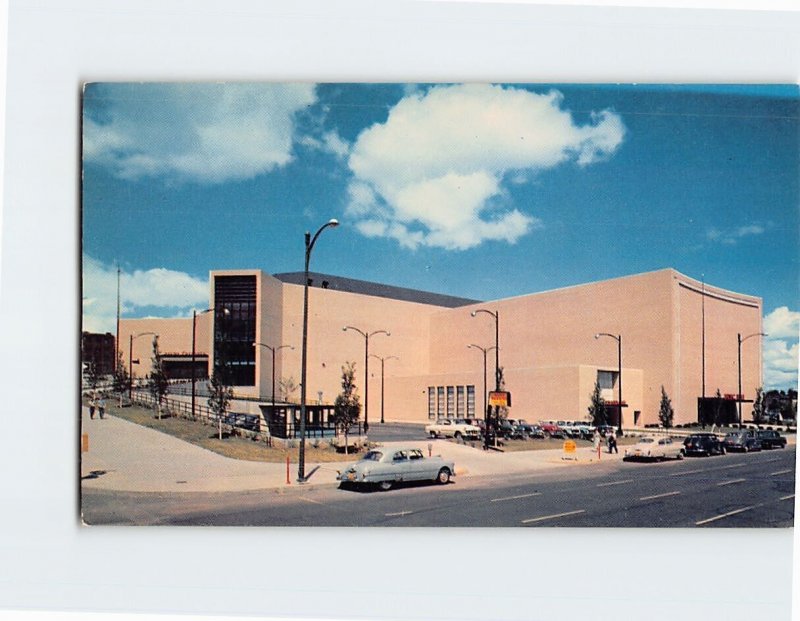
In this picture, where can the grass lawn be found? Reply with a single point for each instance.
(235, 447)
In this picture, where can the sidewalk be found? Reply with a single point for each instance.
(124, 456)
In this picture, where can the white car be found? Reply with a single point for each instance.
(655, 448)
(449, 428)
(384, 467)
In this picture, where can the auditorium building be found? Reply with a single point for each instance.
(669, 330)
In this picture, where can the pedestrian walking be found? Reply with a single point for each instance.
(596, 441)
(609, 437)
(92, 403)
(101, 406)
(612, 442)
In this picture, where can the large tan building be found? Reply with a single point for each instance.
(671, 331)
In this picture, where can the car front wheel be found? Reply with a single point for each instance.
(443, 477)
(385, 486)
(433, 435)
(681, 455)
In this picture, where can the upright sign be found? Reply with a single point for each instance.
(500, 399)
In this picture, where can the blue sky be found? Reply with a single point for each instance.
(482, 191)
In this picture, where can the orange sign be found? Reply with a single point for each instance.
(84, 443)
(569, 446)
(500, 398)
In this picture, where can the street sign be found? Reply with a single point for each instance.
(500, 398)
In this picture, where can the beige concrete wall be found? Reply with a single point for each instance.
(329, 347)
(174, 337)
(726, 314)
(544, 337)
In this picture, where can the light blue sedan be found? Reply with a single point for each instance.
(384, 467)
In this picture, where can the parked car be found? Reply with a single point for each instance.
(530, 431)
(742, 440)
(505, 429)
(242, 421)
(385, 467)
(585, 431)
(656, 448)
(551, 430)
(770, 439)
(703, 444)
(449, 428)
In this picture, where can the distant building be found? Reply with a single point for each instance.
(675, 332)
(98, 350)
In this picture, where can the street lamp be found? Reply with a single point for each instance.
(740, 341)
(618, 339)
(382, 361)
(130, 360)
(366, 336)
(225, 311)
(485, 350)
(496, 315)
(273, 350)
(310, 241)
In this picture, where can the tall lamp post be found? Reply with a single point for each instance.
(382, 361)
(741, 340)
(618, 339)
(130, 360)
(273, 350)
(496, 315)
(310, 241)
(194, 352)
(485, 350)
(366, 336)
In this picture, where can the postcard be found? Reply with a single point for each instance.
(481, 305)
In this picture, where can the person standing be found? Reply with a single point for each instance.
(92, 403)
(596, 442)
(101, 406)
(612, 442)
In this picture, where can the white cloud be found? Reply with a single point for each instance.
(176, 292)
(782, 323)
(437, 168)
(202, 132)
(781, 348)
(731, 236)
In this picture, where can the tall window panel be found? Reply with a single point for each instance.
(235, 330)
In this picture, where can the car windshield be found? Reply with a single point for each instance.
(373, 456)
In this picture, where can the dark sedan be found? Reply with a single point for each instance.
(742, 440)
(771, 439)
(703, 444)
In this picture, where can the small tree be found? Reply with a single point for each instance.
(665, 411)
(157, 383)
(597, 407)
(92, 375)
(220, 399)
(121, 377)
(287, 387)
(346, 408)
(759, 407)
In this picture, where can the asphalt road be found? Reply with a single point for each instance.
(735, 490)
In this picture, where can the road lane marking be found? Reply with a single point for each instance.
(724, 515)
(615, 483)
(731, 482)
(552, 517)
(659, 496)
(678, 474)
(772, 474)
(789, 497)
(398, 514)
(316, 502)
(515, 497)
